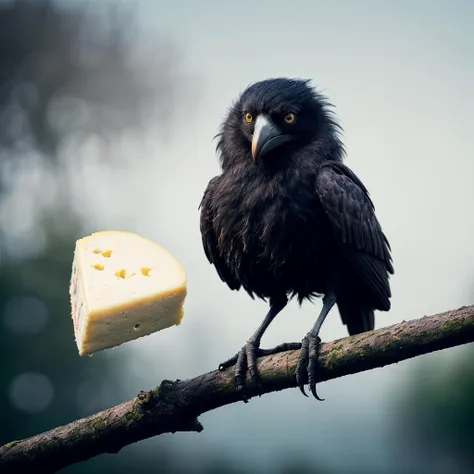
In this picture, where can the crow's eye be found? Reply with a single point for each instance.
(289, 118)
(248, 117)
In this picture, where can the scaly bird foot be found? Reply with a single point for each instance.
(246, 360)
(308, 364)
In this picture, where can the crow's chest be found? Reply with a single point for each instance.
(271, 222)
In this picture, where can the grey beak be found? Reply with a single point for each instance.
(266, 137)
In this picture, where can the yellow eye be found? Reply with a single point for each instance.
(289, 118)
(248, 117)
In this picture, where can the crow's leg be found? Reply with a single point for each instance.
(247, 357)
(308, 358)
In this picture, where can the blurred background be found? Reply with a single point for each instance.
(107, 116)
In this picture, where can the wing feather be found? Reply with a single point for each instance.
(351, 212)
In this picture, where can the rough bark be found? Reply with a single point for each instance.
(175, 406)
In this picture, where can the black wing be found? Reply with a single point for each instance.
(351, 212)
(210, 239)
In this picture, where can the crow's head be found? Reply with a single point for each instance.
(276, 119)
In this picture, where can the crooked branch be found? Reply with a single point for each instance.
(175, 405)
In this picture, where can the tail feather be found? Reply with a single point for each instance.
(357, 319)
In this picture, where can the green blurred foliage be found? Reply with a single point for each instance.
(437, 412)
(49, 351)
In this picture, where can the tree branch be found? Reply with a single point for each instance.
(175, 406)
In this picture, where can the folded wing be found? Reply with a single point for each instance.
(360, 238)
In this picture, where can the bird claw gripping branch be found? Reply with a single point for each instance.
(308, 364)
(245, 361)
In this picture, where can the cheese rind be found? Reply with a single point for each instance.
(123, 286)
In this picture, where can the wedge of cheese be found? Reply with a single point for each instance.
(123, 286)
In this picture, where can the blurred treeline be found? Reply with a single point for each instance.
(71, 78)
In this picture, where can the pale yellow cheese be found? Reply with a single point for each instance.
(123, 286)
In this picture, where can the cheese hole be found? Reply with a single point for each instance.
(136, 326)
(96, 251)
(121, 273)
(107, 253)
(146, 271)
(98, 266)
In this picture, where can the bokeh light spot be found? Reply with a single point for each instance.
(31, 392)
(24, 315)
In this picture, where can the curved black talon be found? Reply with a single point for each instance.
(308, 364)
(301, 368)
(314, 343)
(245, 361)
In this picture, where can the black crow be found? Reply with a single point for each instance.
(286, 218)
